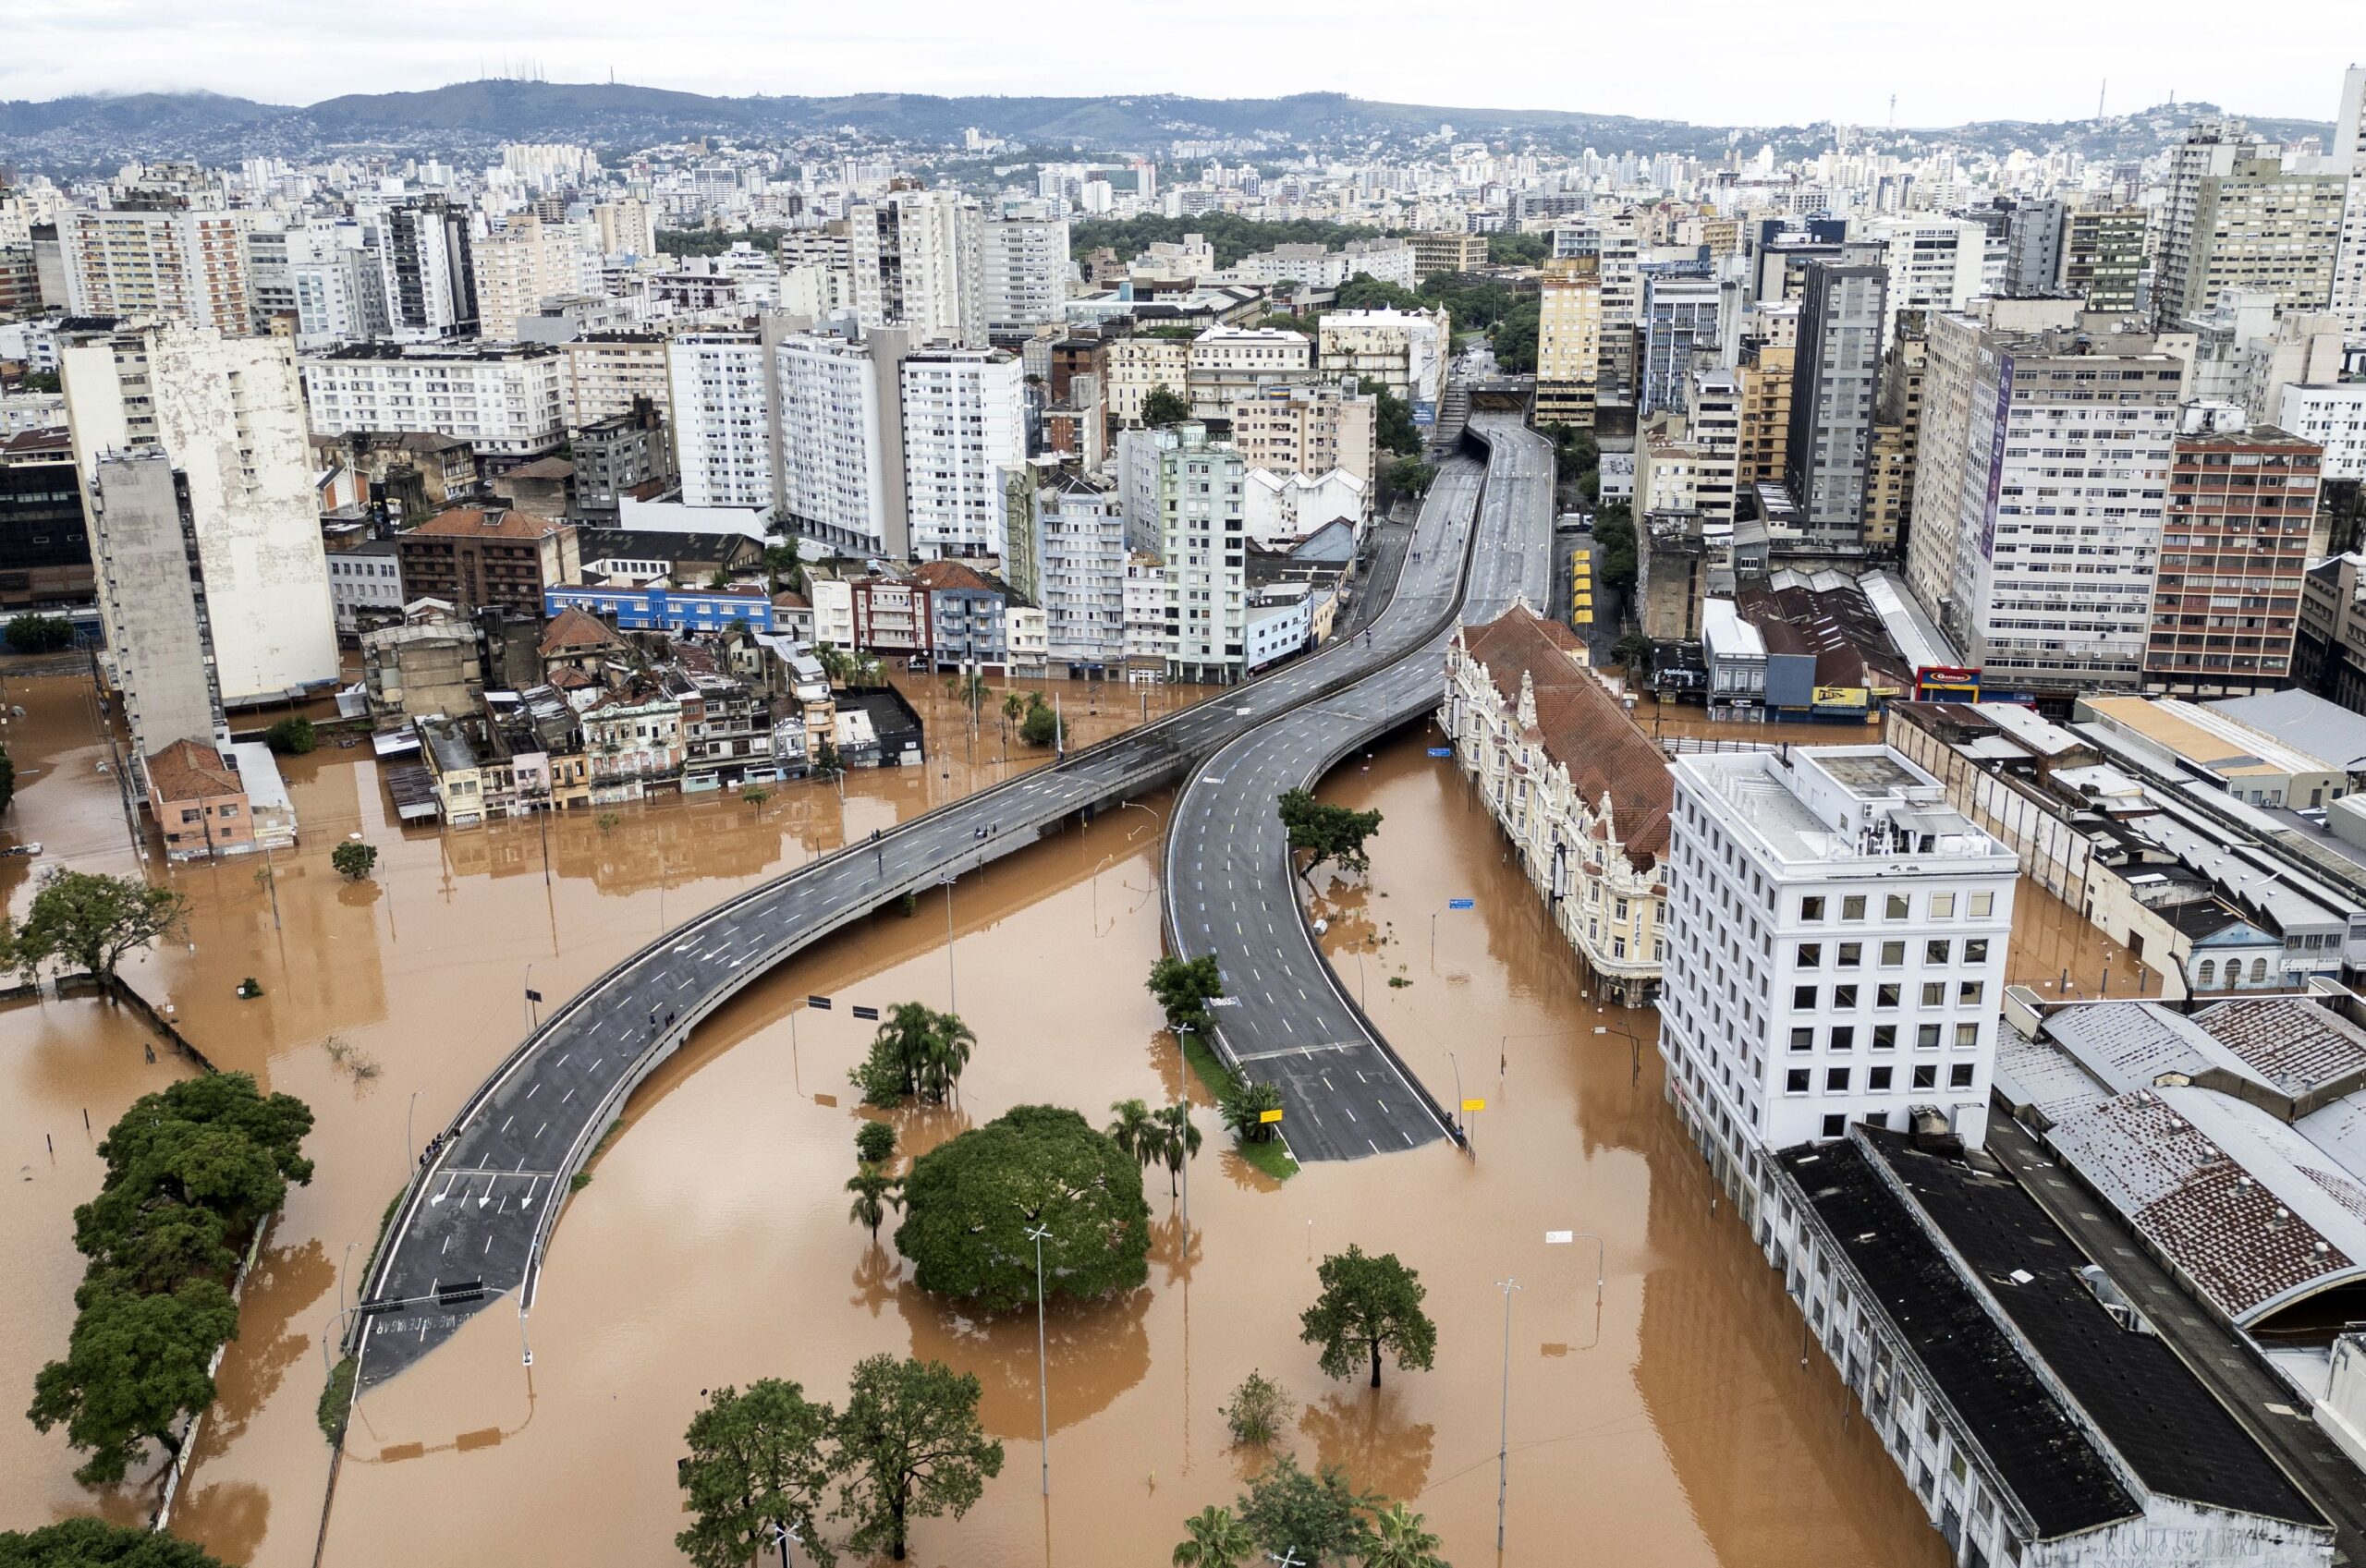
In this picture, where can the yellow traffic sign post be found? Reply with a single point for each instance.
(1470, 1108)
(1269, 1116)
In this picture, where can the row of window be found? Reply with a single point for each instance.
(1878, 1081)
(1815, 907)
(1851, 955)
(1884, 1037)
(1888, 995)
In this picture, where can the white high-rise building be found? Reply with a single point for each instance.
(2038, 507)
(722, 419)
(837, 439)
(1845, 932)
(964, 421)
(179, 262)
(1202, 508)
(428, 255)
(505, 399)
(228, 413)
(340, 289)
(2347, 157)
(1934, 263)
(918, 264)
(1026, 261)
(624, 227)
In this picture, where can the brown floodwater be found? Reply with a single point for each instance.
(1671, 1422)
(422, 970)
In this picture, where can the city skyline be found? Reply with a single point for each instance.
(1758, 66)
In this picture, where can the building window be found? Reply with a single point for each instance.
(1802, 1039)
(1852, 907)
(1851, 956)
(2258, 970)
(1844, 1039)
(1935, 994)
(1976, 951)
(1836, 1127)
(1967, 1036)
(1897, 907)
(1926, 1077)
(1893, 954)
(1877, 1078)
(1795, 1081)
(1959, 1076)
(1811, 908)
(1835, 1080)
(1926, 1037)
(1968, 993)
(1803, 998)
(1888, 995)
(1937, 951)
(1983, 904)
(1843, 996)
(2208, 974)
(1943, 906)
(1885, 1037)
(1810, 955)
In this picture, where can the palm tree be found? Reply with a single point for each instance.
(1014, 707)
(1214, 1538)
(905, 1032)
(876, 1192)
(1134, 1131)
(944, 1051)
(1177, 1139)
(1399, 1540)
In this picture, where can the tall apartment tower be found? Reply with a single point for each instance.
(2103, 257)
(2236, 218)
(1842, 314)
(2234, 558)
(226, 418)
(1204, 543)
(430, 265)
(2346, 158)
(153, 604)
(2037, 509)
(1679, 313)
(965, 420)
(918, 259)
(1568, 342)
(1026, 270)
(722, 417)
(837, 433)
(1846, 930)
(161, 260)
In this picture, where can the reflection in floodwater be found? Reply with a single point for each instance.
(1673, 1426)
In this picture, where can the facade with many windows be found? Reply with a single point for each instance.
(1846, 929)
(1579, 790)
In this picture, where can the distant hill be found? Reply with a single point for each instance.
(471, 117)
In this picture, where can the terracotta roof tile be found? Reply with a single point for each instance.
(477, 523)
(575, 629)
(1580, 725)
(186, 771)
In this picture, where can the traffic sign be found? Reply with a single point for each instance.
(870, 1013)
(1440, 750)
(1470, 1105)
(819, 1004)
(1264, 1116)
(1462, 904)
(1558, 1238)
(532, 995)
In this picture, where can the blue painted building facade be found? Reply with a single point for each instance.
(665, 609)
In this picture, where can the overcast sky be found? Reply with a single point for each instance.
(1708, 61)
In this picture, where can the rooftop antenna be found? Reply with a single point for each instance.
(1893, 110)
(2099, 97)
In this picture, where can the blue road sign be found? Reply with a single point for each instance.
(1440, 750)
(1462, 904)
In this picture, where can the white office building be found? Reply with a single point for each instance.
(1405, 351)
(2347, 156)
(523, 263)
(502, 399)
(722, 419)
(185, 264)
(1845, 930)
(2333, 415)
(1934, 263)
(1026, 258)
(1081, 543)
(964, 421)
(1227, 364)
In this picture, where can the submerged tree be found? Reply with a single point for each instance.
(757, 1467)
(1369, 1305)
(909, 1447)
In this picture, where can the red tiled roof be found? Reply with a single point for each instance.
(951, 574)
(1580, 725)
(186, 771)
(476, 523)
(575, 629)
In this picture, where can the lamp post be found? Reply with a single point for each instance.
(1503, 1430)
(1042, 1378)
(410, 1145)
(782, 1536)
(952, 997)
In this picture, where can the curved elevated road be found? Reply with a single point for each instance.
(480, 1213)
(1230, 885)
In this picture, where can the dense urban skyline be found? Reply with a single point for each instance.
(1743, 63)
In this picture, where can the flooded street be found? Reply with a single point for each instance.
(1673, 1425)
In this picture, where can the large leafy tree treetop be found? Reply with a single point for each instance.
(756, 1466)
(1164, 406)
(1369, 1305)
(93, 921)
(1184, 988)
(970, 1203)
(94, 1543)
(909, 1447)
(1318, 1518)
(134, 1365)
(1321, 833)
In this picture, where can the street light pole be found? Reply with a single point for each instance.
(1042, 1376)
(952, 996)
(1503, 1430)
